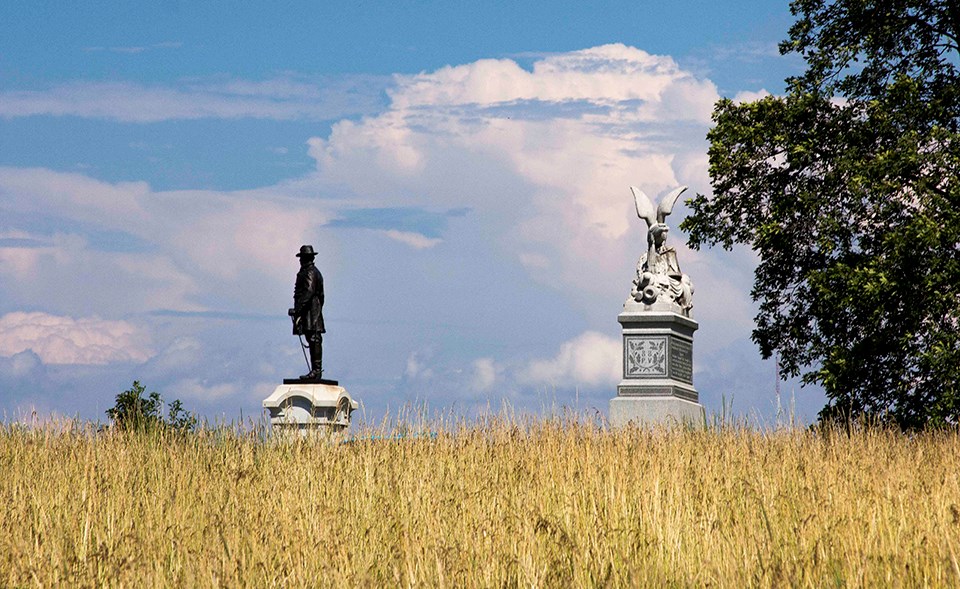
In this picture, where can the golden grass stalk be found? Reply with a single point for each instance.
(507, 502)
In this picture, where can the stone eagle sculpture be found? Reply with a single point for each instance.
(659, 284)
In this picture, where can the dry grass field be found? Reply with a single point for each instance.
(508, 502)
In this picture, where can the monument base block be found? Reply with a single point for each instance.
(651, 411)
(309, 408)
(657, 385)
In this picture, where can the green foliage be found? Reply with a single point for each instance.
(179, 418)
(848, 189)
(134, 412)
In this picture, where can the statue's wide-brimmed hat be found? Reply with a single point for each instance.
(306, 250)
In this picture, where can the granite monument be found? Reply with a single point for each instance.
(657, 382)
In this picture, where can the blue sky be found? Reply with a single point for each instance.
(463, 168)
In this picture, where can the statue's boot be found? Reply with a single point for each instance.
(316, 363)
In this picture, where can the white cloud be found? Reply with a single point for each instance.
(74, 196)
(484, 374)
(230, 234)
(284, 98)
(591, 358)
(750, 96)
(545, 157)
(19, 263)
(605, 74)
(200, 243)
(416, 366)
(65, 340)
(542, 158)
(548, 186)
(414, 240)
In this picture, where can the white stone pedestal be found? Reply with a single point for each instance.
(652, 411)
(304, 408)
(657, 384)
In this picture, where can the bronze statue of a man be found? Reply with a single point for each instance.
(307, 311)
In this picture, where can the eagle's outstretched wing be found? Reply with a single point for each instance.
(666, 204)
(644, 206)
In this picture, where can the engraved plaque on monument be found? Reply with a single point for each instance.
(657, 383)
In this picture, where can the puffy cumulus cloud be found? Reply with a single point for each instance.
(65, 340)
(604, 75)
(591, 358)
(543, 156)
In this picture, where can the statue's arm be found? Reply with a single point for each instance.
(651, 254)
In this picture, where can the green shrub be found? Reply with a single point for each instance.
(134, 412)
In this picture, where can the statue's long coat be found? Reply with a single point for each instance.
(308, 300)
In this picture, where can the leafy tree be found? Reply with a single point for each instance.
(134, 412)
(179, 418)
(848, 189)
